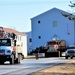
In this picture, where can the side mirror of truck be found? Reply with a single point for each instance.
(14, 42)
(13, 35)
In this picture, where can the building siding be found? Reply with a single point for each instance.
(45, 29)
(22, 42)
(24, 45)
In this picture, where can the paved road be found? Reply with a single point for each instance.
(28, 66)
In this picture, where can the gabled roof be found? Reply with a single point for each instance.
(13, 31)
(51, 10)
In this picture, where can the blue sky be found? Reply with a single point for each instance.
(16, 14)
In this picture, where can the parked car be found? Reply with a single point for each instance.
(70, 52)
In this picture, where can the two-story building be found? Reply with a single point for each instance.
(51, 24)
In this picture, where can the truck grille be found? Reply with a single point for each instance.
(2, 51)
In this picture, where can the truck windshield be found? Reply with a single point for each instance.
(5, 42)
(52, 43)
(71, 47)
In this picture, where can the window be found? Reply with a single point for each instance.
(30, 40)
(39, 37)
(38, 21)
(20, 38)
(17, 37)
(55, 24)
(5, 42)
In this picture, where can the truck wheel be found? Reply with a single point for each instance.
(71, 57)
(66, 57)
(12, 59)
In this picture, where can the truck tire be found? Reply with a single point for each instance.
(1, 62)
(66, 57)
(12, 59)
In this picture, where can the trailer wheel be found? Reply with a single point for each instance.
(12, 59)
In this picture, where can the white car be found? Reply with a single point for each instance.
(70, 52)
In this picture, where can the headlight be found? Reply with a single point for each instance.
(8, 51)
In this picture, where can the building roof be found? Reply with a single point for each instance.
(13, 31)
(51, 10)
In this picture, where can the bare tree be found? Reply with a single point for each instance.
(71, 16)
(72, 4)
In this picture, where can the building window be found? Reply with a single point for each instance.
(20, 38)
(38, 21)
(39, 37)
(30, 40)
(17, 37)
(68, 33)
(55, 24)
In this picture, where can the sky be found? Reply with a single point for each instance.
(16, 14)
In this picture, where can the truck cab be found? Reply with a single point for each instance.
(52, 46)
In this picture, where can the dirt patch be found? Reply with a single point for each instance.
(62, 69)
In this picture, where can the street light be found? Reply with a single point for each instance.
(70, 17)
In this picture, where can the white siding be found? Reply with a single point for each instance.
(24, 45)
(22, 41)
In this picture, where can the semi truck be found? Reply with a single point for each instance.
(52, 48)
(8, 48)
(55, 47)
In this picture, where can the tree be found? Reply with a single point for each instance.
(72, 15)
(72, 4)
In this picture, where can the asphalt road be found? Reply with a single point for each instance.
(29, 66)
